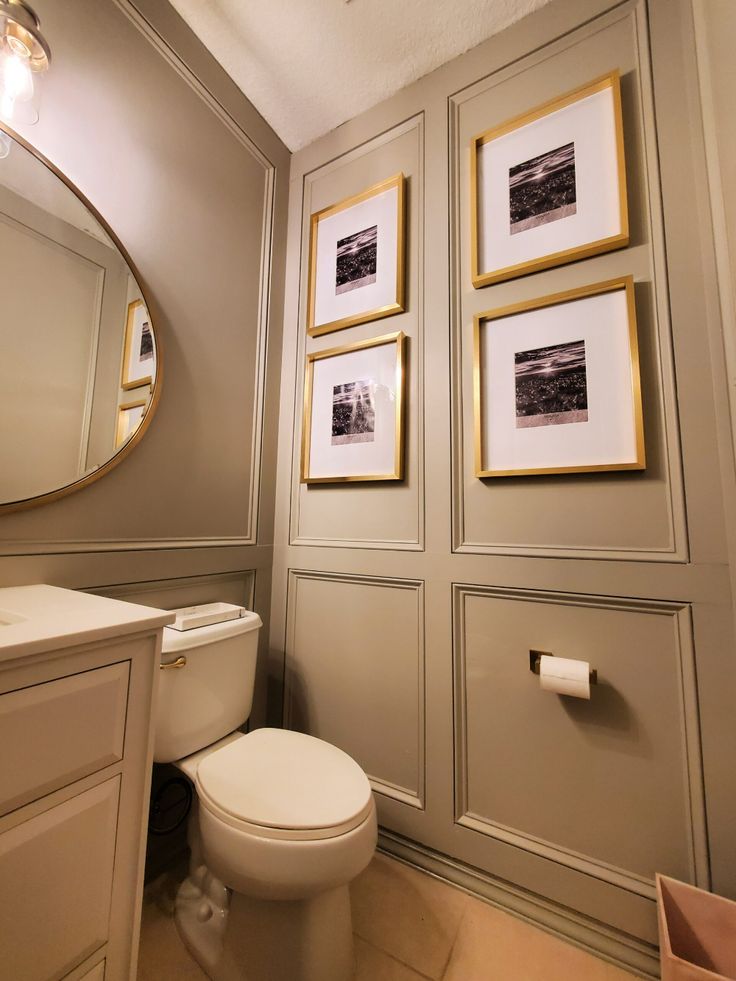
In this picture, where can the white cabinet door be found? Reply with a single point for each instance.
(55, 885)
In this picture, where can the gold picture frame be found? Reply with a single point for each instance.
(353, 419)
(510, 233)
(370, 223)
(127, 423)
(545, 382)
(138, 339)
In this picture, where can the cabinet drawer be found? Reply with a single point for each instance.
(96, 974)
(59, 731)
(55, 885)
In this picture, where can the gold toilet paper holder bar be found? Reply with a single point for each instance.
(535, 659)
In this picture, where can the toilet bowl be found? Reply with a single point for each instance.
(283, 821)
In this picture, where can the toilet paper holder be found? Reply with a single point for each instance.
(535, 658)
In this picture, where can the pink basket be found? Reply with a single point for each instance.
(697, 933)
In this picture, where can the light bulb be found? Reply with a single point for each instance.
(17, 78)
(16, 87)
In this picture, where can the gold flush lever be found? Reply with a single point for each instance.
(180, 662)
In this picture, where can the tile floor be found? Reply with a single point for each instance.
(408, 927)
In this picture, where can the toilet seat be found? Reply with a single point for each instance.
(275, 783)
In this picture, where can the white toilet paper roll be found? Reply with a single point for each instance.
(565, 676)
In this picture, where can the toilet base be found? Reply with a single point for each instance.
(201, 912)
(236, 938)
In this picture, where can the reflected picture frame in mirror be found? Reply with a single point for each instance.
(137, 363)
(139, 352)
(130, 417)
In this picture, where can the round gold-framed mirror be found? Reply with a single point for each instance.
(80, 371)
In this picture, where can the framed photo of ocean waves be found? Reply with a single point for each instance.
(556, 385)
(549, 187)
(356, 259)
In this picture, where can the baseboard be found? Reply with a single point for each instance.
(614, 946)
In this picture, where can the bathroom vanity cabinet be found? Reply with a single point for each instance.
(77, 678)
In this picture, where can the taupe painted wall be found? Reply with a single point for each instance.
(403, 614)
(194, 183)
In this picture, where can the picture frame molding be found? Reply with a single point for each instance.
(398, 338)
(554, 299)
(398, 305)
(480, 279)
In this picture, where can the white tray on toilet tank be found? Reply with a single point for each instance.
(205, 614)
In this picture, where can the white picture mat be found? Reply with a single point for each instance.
(381, 210)
(590, 124)
(609, 435)
(373, 364)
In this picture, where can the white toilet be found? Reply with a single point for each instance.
(283, 821)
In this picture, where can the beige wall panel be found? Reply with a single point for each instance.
(171, 594)
(691, 263)
(615, 514)
(355, 674)
(387, 513)
(573, 777)
(715, 22)
(191, 199)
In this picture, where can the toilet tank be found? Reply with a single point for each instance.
(210, 693)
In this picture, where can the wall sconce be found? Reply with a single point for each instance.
(24, 57)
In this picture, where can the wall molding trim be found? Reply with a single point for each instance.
(415, 208)
(75, 546)
(404, 795)
(245, 577)
(690, 741)
(387, 545)
(653, 246)
(146, 28)
(614, 946)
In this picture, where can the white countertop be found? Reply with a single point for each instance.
(34, 619)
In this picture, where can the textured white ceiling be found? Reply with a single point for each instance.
(309, 65)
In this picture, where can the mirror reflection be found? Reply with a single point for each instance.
(78, 357)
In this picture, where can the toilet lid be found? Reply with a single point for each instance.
(278, 779)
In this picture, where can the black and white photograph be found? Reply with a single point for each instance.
(356, 260)
(551, 385)
(542, 189)
(556, 386)
(146, 352)
(353, 422)
(548, 186)
(353, 413)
